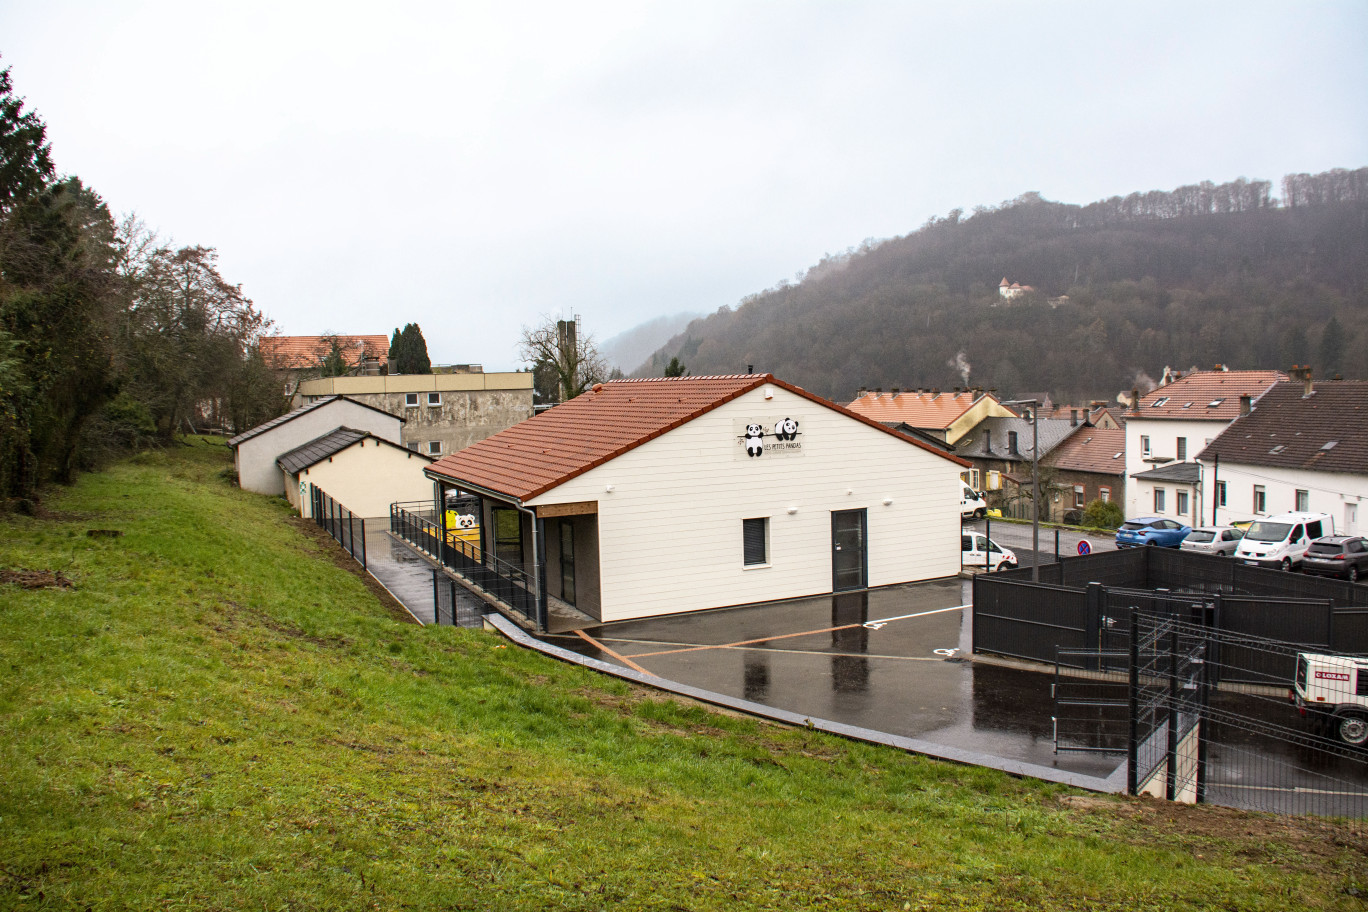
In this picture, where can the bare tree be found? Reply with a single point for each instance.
(569, 362)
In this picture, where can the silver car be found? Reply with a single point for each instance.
(1219, 540)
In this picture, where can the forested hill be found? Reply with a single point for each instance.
(1201, 275)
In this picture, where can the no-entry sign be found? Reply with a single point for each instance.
(1084, 547)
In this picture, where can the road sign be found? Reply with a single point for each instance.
(1084, 547)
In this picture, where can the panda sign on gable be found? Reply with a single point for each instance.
(767, 437)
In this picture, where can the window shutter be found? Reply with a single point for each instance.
(753, 540)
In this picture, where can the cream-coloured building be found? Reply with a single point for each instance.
(655, 497)
(359, 470)
(255, 452)
(442, 412)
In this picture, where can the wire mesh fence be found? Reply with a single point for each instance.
(346, 528)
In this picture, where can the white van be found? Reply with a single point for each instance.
(978, 550)
(972, 503)
(1279, 542)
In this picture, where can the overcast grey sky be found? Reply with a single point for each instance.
(474, 166)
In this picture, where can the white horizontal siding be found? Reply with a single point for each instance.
(670, 531)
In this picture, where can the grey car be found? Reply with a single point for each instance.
(1337, 555)
(1218, 540)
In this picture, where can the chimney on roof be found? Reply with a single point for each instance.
(935, 391)
(893, 393)
(1307, 387)
(1245, 408)
(861, 393)
(750, 368)
(1073, 417)
(1135, 398)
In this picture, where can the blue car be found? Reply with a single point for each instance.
(1151, 530)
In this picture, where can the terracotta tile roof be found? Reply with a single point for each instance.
(1206, 395)
(547, 450)
(1092, 450)
(915, 409)
(292, 352)
(1326, 431)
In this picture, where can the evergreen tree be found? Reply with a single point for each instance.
(1331, 348)
(408, 352)
(675, 369)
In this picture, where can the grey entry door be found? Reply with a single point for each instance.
(848, 563)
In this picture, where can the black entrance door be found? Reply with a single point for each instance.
(847, 550)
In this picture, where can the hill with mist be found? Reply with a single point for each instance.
(1119, 289)
(628, 350)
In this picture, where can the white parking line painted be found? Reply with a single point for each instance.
(875, 625)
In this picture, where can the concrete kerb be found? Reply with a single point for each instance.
(1113, 784)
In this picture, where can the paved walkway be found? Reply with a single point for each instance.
(406, 573)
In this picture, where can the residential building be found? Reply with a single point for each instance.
(1009, 290)
(1089, 465)
(1166, 429)
(1002, 450)
(947, 416)
(255, 451)
(442, 412)
(668, 495)
(359, 470)
(296, 358)
(1302, 447)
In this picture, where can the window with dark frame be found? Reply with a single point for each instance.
(1220, 493)
(754, 540)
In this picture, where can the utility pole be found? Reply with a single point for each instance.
(1035, 483)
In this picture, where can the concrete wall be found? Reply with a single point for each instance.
(365, 478)
(255, 459)
(670, 531)
(473, 406)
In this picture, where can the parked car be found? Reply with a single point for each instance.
(1337, 555)
(1279, 542)
(1331, 690)
(1218, 540)
(972, 503)
(978, 550)
(1151, 530)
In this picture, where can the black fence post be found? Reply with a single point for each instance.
(1056, 546)
(1171, 774)
(1203, 737)
(363, 546)
(1097, 600)
(1132, 739)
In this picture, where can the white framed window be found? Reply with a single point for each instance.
(1104, 495)
(755, 541)
(1182, 503)
(1303, 501)
(410, 400)
(434, 447)
(972, 478)
(1182, 449)
(434, 399)
(1260, 499)
(1159, 496)
(412, 445)
(1078, 496)
(1144, 445)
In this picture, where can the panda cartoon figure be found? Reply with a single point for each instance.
(786, 429)
(755, 440)
(466, 521)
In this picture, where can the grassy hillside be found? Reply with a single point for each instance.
(219, 714)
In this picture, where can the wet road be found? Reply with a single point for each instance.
(1017, 537)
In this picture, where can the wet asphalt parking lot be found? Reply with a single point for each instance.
(890, 659)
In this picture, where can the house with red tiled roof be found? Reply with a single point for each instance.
(1090, 465)
(295, 358)
(1009, 290)
(947, 416)
(1166, 429)
(660, 496)
(1303, 446)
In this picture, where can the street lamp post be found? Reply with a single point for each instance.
(1035, 483)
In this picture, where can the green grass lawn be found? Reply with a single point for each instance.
(222, 715)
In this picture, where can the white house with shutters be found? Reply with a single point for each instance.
(1303, 447)
(1168, 428)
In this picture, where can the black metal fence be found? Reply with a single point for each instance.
(1086, 603)
(342, 524)
(452, 605)
(510, 584)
